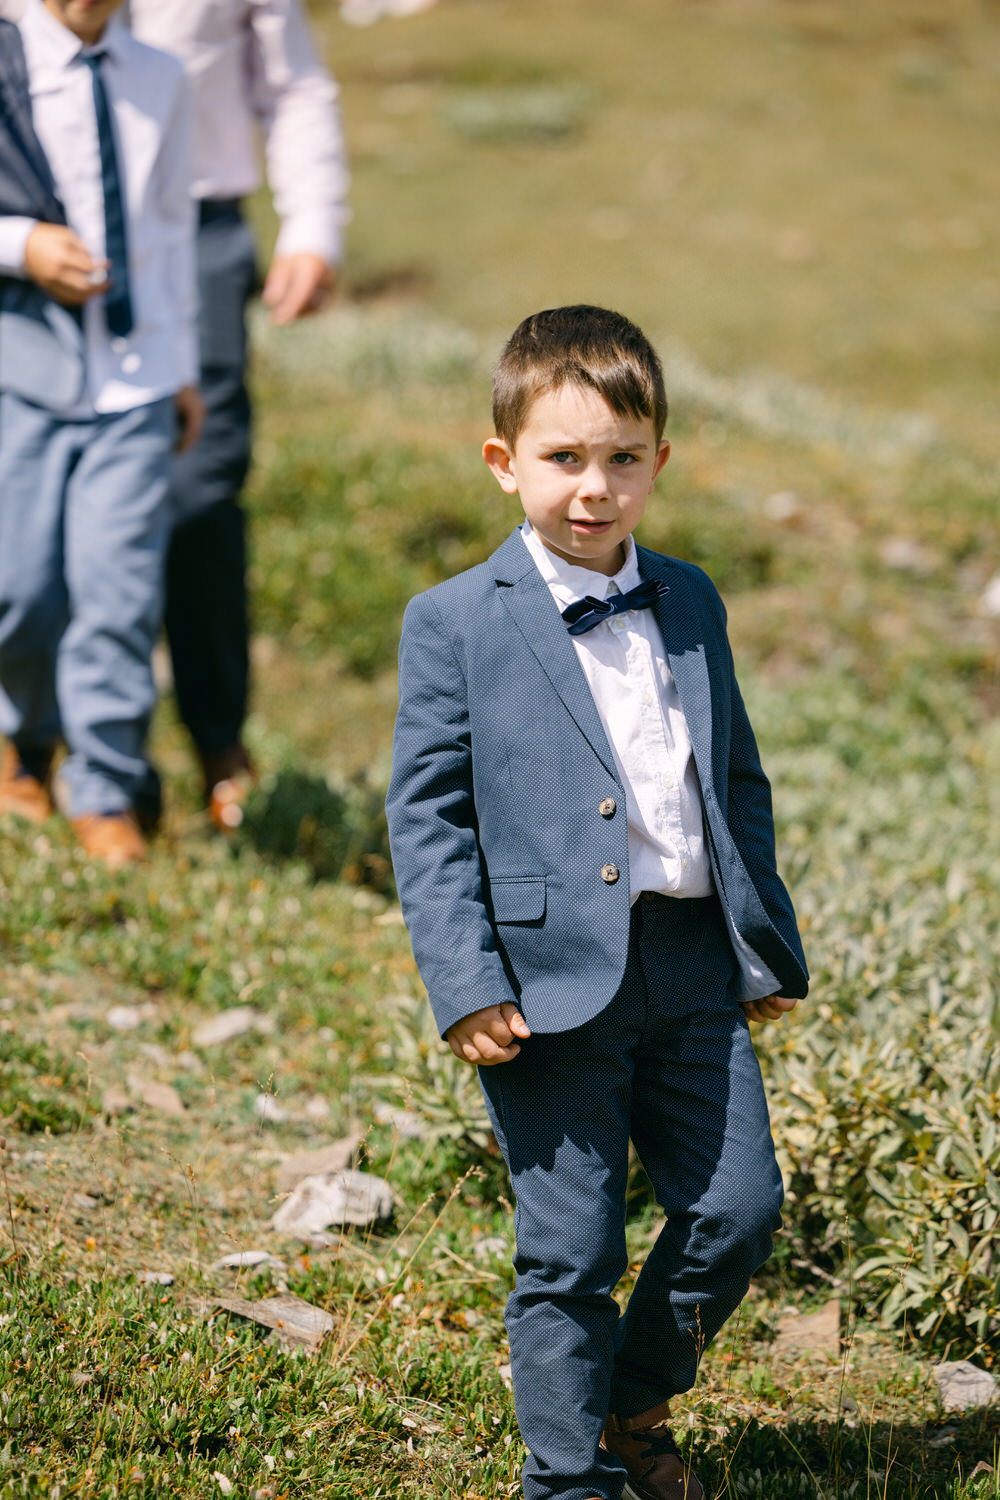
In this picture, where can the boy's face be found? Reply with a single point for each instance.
(583, 474)
(85, 18)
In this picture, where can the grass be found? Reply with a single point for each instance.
(798, 201)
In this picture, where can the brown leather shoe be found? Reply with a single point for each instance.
(652, 1461)
(229, 780)
(114, 838)
(24, 786)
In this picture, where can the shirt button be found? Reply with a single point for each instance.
(609, 874)
(130, 364)
(647, 699)
(667, 780)
(608, 807)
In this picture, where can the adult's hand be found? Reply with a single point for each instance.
(190, 409)
(297, 285)
(59, 262)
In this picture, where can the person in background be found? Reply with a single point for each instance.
(250, 64)
(98, 371)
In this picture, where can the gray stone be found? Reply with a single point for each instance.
(123, 1018)
(115, 1101)
(156, 1278)
(962, 1384)
(292, 1320)
(337, 1157)
(333, 1198)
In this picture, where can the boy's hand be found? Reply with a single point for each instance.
(487, 1036)
(190, 409)
(771, 1008)
(59, 262)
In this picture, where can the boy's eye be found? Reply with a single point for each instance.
(564, 456)
(623, 458)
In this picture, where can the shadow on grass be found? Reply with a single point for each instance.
(878, 1459)
(339, 831)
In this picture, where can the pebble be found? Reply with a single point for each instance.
(162, 1097)
(490, 1244)
(293, 1320)
(156, 1278)
(123, 1018)
(411, 1127)
(115, 1101)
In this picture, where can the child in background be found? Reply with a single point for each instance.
(584, 848)
(98, 362)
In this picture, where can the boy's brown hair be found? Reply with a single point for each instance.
(581, 345)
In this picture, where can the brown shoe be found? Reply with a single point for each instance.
(652, 1461)
(114, 838)
(24, 784)
(229, 780)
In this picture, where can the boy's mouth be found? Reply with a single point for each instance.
(591, 528)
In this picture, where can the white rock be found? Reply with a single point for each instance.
(409, 1125)
(123, 1018)
(989, 599)
(159, 1096)
(268, 1110)
(963, 1384)
(227, 1026)
(333, 1198)
(317, 1108)
(783, 505)
(156, 1278)
(490, 1244)
(248, 1260)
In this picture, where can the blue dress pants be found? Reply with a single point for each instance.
(670, 1065)
(84, 523)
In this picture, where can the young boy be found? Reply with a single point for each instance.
(583, 843)
(98, 359)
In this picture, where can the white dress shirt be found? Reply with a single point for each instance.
(148, 100)
(252, 63)
(634, 692)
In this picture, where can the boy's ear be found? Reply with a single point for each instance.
(500, 461)
(662, 454)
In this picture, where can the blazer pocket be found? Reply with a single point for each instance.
(518, 898)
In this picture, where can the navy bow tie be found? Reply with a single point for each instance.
(583, 614)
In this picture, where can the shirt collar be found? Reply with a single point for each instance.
(568, 582)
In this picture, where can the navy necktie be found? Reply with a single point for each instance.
(117, 302)
(583, 614)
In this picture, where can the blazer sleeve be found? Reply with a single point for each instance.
(433, 828)
(751, 823)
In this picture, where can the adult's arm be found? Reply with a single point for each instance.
(298, 104)
(433, 828)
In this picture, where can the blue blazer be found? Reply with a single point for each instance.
(42, 355)
(500, 765)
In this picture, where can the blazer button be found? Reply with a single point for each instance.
(608, 807)
(609, 874)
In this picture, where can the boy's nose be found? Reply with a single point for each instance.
(593, 484)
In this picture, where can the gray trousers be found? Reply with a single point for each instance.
(84, 523)
(670, 1065)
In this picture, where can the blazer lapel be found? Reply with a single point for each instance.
(525, 594)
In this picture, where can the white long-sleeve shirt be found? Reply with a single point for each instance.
(634, 692)
(148, 99)
(625, 664)
(252, 63)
